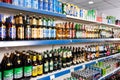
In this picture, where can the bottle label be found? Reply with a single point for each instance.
(41, 33)
(34, 33)
(50, 35)
(40, 69)
(28, 32)
(45, 33)
(51, 65)
(3, 32)
(46, 67)
(12, 32)
(55, 64)
(8, 75)
(18, 73)
(0, 75)
(34, 71)
(27, 71)
(20, 33)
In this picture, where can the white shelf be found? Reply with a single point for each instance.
(112, 72)
(92, 22)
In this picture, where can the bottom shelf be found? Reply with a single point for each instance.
(109, 74)
(58, 73)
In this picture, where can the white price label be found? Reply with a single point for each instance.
(71, 70)
(52, 77)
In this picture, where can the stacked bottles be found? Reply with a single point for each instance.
(27, 27)
(27, 64)
(94, 72)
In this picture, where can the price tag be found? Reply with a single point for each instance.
(84, 66)
(72, 70)
(52, 77)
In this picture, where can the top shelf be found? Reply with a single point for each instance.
(14, 7)
(24, 9)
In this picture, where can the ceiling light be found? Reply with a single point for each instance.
(90, 2)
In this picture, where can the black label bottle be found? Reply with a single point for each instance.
(59, 59)
(28, 31)
(18, 67)
(7, 68)
(40, 64)
(27, 66)
(20, 27)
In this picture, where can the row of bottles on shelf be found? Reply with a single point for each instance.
(46, 5)
(26, 64)
(94, 72)
(62, 8)
(20, 27)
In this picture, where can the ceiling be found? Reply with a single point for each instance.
(98, 4)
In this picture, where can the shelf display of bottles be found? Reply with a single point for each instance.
(115, 76)
(94, 72)
(46, 5)
(27, 64)
(25, 27)
(22, 27)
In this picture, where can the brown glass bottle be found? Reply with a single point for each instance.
(20, 27)
(40, 64)
(45, 63)
(7, 68)
(28, 30)
(34, 27)
(27, 66)
(18, 68)
(39, 28)
(34, 65)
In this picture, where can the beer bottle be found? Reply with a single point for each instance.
(74, 56)
(0, 72)
(34, 65)
(45, 63)
(40, 64)
(11, 28)
(64, 58)
(34, 27)
(59, 59)
(27, 68)
(28, 31)
(55, 59)
(51, 64)
(39, 27)
(20, 27)
(7, 68)
(18, 67)
(2, 28)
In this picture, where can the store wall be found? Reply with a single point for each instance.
(113, 12)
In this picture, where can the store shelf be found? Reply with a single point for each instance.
(95, 40)
(19, 8)
(70, 69)
(109, 74)
(52, 42)
(90, 22)
(32, 43)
